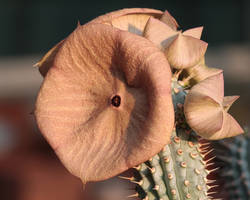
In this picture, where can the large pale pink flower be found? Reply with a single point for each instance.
(105, 104)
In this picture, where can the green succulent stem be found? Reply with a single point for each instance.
(179, 171)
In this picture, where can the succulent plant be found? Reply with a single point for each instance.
(233, 156)
(131, 90)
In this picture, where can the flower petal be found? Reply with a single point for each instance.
(205, 110)
(132, 19)
(168, 19)
(104, 106)
(185, 51)
(194, 32)
(200, 72)
(212, 87)
(203, 114)
(159, 33)
(228, 101)
(229, 128)
(202, 107)
(47, 61)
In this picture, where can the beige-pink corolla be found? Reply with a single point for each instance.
(105, 104)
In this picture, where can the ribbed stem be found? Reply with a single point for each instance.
(178, 172)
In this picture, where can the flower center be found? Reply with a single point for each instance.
(116, 101)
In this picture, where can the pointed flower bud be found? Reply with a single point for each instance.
(159, 33)
(182, 50)
(185, 51)
(199, 72)
(206, 109)
(168, 19)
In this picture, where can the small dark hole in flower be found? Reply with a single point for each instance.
(116, 101)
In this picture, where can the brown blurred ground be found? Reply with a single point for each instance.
(29, 170)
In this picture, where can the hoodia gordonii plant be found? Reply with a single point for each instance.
(127, 90)
(233, 156)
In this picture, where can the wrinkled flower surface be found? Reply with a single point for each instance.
(105, 103)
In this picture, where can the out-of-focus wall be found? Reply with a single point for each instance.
(33, 26)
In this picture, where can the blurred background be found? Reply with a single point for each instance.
(29, 170)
